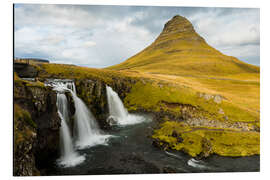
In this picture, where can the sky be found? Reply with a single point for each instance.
(101, 36)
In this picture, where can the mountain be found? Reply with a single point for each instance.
(180, 50)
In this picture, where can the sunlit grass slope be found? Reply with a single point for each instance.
(179, 50)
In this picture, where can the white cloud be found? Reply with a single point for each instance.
(89, 43)
(101, 36)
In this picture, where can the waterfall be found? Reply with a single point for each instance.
(118, 113)
(68, 156)
(86, 129)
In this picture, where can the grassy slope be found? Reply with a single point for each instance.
(185, 53)
(224, 142)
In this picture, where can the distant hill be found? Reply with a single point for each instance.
(32, 60)
(180, 50)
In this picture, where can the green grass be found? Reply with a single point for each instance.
(23, 125)
(224, 142)
(76, 72)
(150, 96)
(177, 52)
(20, 82)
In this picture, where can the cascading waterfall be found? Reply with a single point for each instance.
(68, 155)
(86, 130)
(118, 113)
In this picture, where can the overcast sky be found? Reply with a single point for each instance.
(100, 36)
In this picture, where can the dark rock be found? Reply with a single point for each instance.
(111, 121)
(26, 71)
(177, 136)
(24, 159)
(40, 102)
(93, 93)
(155, 143)
(174, 133)
(180, 139)
(169, 169)
(206, 148)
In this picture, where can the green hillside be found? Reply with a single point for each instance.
(179, 50)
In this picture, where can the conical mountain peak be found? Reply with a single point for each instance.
(178, 24)
(180, 50)
(178, 28)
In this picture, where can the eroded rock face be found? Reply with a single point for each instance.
(40, 102)
(48, 124)
(93, 93)
(24, 146)
(24, 160)
(26, 71)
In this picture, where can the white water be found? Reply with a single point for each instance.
(86, 130)
(174, 155)
(196, 164)
(118, 112)
(68, 155)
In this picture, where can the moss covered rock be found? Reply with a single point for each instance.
(36, 126)
(204, 141)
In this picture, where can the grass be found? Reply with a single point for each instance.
(224, 142)
(150, 96)
(19, 82)
(76, 72)
(179, 54)
(23, 125)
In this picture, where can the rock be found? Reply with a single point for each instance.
(174, 134)
(169, 169)
(27, 71)
(180, 139)
(220, 111)
(155, 143)
(177, 136)
(206, 148)
(93, 93)
(40, 102)
(111, 120)
(217, 99)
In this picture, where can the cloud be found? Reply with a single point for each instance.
(89, 43)
(100, 36)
